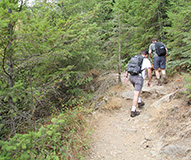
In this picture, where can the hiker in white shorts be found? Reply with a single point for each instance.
(137, 81)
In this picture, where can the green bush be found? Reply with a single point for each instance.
(64, 138)
(188, 84)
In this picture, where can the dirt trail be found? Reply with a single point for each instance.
(117, 136)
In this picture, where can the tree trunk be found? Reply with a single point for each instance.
(32, 102)
(10, 75)
(11, 84)
(119, 79)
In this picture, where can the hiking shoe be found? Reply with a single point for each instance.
(141, 104)
(165, 80)
(135, 113)
(159, 83)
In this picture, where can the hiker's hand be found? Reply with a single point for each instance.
(126, 78)
(149, 83)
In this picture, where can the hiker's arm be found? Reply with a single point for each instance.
(166, 52)
(150, 51)
(150, 76)
(126, 75)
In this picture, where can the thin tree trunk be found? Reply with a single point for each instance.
(10, 75)
(33, 106)
(119, 79)
(11, 84)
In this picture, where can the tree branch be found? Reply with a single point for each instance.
(3, 65)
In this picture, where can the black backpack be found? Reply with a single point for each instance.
(160, 49)
(135, 64)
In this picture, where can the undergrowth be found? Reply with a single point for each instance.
(65, 137)
(188, 85)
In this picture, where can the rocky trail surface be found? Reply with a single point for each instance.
(161, 132)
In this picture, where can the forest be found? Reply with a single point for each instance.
(49, 51)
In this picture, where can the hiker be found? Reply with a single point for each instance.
(138, 79)
(159, 61)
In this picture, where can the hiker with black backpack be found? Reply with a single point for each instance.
(136, 68)
(160, 52)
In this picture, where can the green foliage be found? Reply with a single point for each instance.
(47, 49)
(188, 85)
(51, 49)
(179, 35)
(141, 21)
(64, 138)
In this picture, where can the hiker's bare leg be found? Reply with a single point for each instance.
(163, 71)
(134, 112)
(135, 98)
(157, 73)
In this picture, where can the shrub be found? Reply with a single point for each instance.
(64, 138)
(188, 85)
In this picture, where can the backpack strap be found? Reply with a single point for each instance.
(142, 64)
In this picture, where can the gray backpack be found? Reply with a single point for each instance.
(135, 64)
(160, 49)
